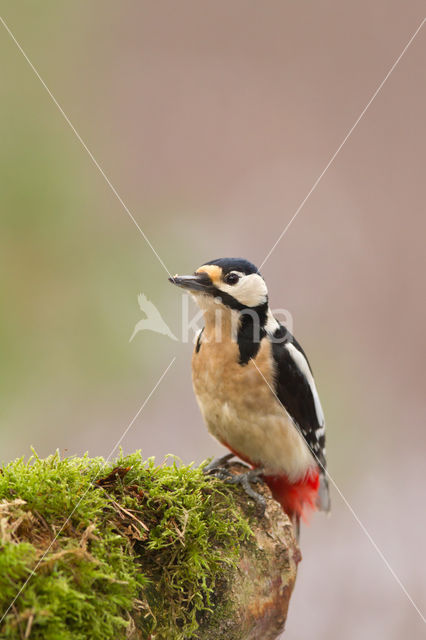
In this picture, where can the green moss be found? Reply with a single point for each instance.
(90, 543)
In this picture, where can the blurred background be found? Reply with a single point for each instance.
(213, 120)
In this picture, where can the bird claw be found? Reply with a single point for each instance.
(221, 474)
(244, 479)
(215, 467)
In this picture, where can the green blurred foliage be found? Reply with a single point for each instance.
(71, 260)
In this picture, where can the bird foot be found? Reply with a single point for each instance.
(216, 467)
(245, 479)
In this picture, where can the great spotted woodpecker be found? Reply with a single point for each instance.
(255, 387)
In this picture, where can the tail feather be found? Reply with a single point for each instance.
(323, 495)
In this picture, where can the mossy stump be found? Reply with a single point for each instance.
(99, 551)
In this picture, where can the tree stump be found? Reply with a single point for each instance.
(129, 549)
(252, 599)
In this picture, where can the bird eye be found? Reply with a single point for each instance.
(231, 278)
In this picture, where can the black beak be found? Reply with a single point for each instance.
(196, 282)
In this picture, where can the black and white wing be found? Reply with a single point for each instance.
(295, 388)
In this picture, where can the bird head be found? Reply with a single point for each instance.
(234, 283)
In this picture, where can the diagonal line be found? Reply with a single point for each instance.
(145, 402)
(356, 517)
(345, 139)
(86, 148)
(33, 571)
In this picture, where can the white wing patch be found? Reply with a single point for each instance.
(303, 366)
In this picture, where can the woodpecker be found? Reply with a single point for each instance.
(255, 387)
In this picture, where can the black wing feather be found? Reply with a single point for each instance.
(294, 392)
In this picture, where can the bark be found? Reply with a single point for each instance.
(252, 599)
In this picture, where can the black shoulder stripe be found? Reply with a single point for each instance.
(248, 349)
(251, 333)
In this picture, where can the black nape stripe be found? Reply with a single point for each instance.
(233, 303)
(251, 332)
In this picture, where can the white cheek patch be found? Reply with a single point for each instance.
(250, 290)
